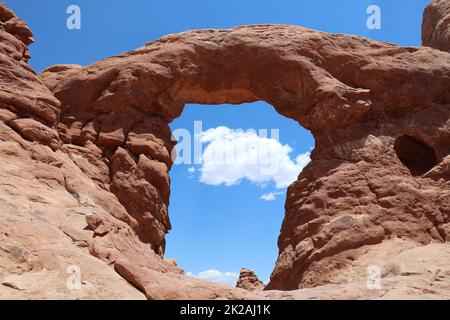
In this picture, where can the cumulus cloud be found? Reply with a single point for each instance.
(213, 275)
(191, 170)
(268, 197)
(234, 155)
(271, 196)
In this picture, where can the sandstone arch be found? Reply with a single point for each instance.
(105, 142)
(355, 95)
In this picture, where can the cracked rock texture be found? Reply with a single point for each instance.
(85, 154)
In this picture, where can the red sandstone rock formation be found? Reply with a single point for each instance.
(369, 107)
(436, 25)
(85, 161)
(249, 281)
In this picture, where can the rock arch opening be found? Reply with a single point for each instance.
(232, 214)
(418, 157)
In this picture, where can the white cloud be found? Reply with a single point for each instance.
(216, 276)
(303, 159)
(233, 155)
(268, 196)
(191, 170)
(271, 196)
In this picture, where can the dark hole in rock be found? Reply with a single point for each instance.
(417, 156)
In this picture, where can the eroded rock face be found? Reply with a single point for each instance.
(35, 101)
(436, 25)
(248, 280)
(85, 161)
(54, 217)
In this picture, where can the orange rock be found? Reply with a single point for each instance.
(249, 281)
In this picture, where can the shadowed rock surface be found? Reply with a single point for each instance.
(86, 151)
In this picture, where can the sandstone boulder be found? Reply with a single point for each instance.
(248, 280)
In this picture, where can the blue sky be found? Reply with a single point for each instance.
(216, 226)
